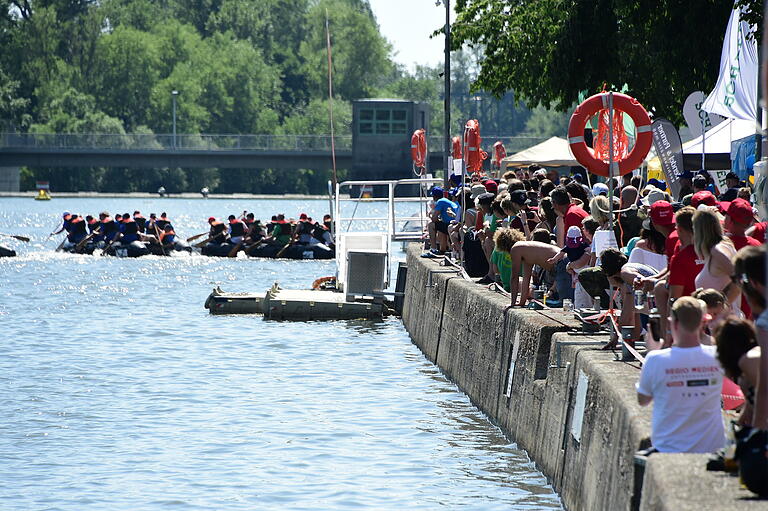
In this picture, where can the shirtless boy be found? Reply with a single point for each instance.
(527, 254)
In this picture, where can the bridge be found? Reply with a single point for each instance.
(198, 151)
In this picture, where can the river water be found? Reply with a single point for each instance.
(119, 391)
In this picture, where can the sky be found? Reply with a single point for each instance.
(407, 25)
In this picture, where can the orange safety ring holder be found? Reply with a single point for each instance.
(419, 149)
(586, 156)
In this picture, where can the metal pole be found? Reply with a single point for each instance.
(610, 161)
(447, 99)
(173, 96)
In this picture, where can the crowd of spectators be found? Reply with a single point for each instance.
(687, 274)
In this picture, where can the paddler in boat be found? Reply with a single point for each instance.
(256, 231)
(218, 232)
(167, 237)
(237, 230)
(66, 217)
(162, 221)
(302, 235)
(141, 222)
(281, 233)
(108, 228)
(129, 231)
(77, 231)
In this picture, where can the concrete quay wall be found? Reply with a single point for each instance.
(553, 392)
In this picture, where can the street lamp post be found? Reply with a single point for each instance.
(174, 93)
(447, 99)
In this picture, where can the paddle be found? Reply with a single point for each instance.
(193, 238)
(104, 252)
(235, 250)
(282, 250)
(79, 246)
(15, 236)
(202, 243)
(159, 239)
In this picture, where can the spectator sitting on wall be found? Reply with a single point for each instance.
(629, 219)
(576, 253)
(490, 223)
(625, 276)
(685, 382)
(444, 212)
(504, 239)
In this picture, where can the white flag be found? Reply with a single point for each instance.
(735, 94)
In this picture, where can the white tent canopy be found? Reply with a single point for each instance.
(718, 139)
(555, 152)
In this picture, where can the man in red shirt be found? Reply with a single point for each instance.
(571, 214)
(685, 264)
(738, 218)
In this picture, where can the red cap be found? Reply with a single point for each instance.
(491, 186)
(211, 219)
(662, 213)
(740, 211)
(703, 197)
(303, 216)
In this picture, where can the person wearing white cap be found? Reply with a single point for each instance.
(599, 189)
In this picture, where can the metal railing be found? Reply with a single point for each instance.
(186, 142)
(511, 144)
(165, 142)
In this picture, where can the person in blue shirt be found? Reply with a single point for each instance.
(443, 212)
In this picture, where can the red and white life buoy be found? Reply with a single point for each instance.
(499, 153)
(586, 156)
(473, 153)
(456, 152)
(419, 149)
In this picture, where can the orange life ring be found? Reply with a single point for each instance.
(319, 282)
(419, 149)
(586, 156)
(473, 153)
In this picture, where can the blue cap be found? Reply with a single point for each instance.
(686, 175)
(437, 192)
(661, 185)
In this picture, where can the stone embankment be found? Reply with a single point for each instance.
(557, 395)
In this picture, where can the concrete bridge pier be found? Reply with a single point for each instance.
(10, 180)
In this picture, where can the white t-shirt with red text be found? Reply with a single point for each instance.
(685, 384)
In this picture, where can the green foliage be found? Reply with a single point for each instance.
(549, 51)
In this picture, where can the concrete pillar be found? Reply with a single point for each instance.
(9, 179)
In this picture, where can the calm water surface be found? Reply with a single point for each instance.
(119, 391)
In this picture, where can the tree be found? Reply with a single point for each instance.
(360, 53)
(549, 51)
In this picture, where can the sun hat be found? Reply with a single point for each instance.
(477, 190)
(655, 196)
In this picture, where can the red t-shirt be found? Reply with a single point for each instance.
(671, 245)
(759, 232)
(740, 242)
(683, 268)
(573, 216)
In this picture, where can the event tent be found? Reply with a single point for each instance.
(554, 152)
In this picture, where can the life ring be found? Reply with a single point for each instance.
(473, 154)
(419, 149)
(317, 284)
(586, 156)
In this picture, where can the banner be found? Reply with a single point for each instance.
(718, 176)
(735, 94)
(698, 120)
(669, 149)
